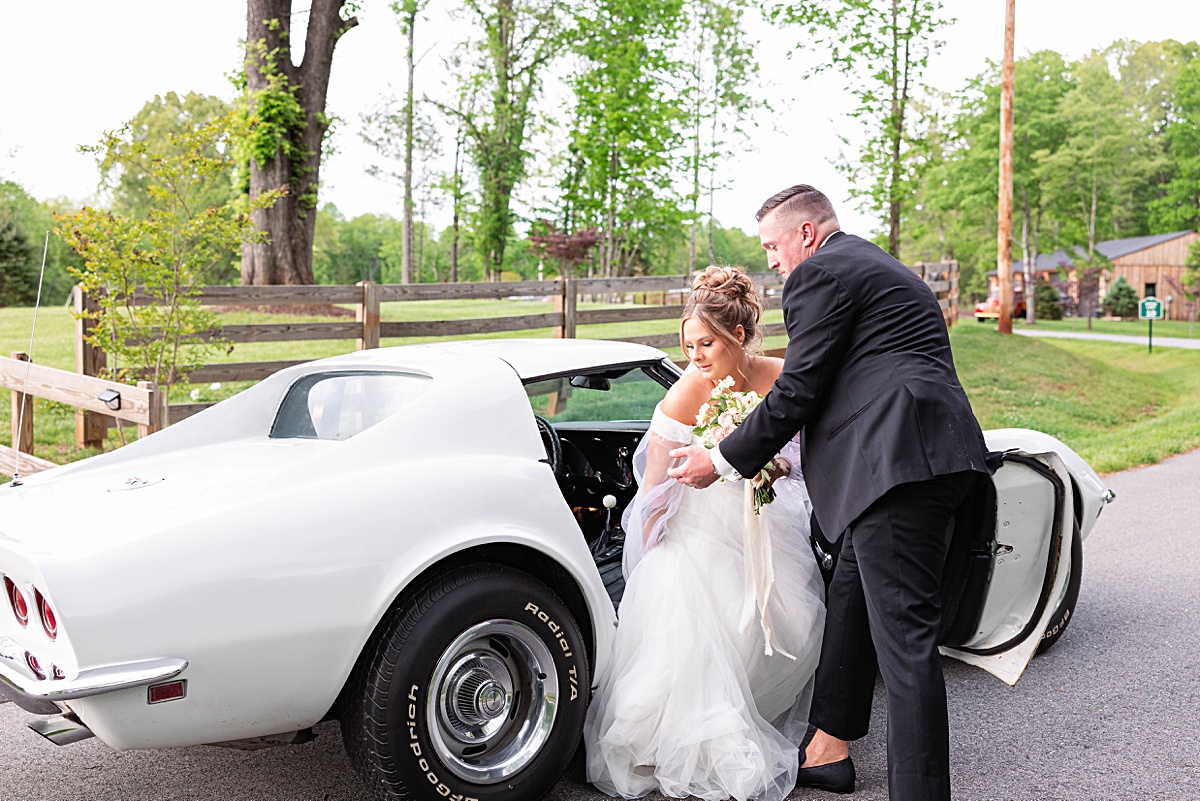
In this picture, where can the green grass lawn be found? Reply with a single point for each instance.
(1138, 328)
(1117, 405)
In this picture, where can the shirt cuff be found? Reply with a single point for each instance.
(723, 468)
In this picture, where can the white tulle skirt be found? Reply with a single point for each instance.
(691, 706)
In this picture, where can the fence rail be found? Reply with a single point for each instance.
(368, 329)
(142, 405)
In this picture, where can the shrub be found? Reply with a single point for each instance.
(1122, 299)
(1047, 303)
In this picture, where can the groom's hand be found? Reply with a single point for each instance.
(697, 469)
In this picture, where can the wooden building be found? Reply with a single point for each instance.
(1145, 262)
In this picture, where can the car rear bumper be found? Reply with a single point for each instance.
(40, 695)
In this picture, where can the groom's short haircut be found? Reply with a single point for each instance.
(800, 200)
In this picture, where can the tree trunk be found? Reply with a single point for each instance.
(406, 243)
(895, 133)
(286, 257)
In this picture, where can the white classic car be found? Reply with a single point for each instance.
(422, 542)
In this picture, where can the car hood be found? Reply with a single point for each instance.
(101, 504)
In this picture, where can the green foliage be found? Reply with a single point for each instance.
(151, 135)
(627, 129)
(144, 272)
(520, 38)
(30, 221)
(1179, 207)
(369, 248)
(1047, 304)
(1121, 300)
(883, 48)
(272, 118)
(1101, 173)
(729, 246)
(18, 267)
(719, 67)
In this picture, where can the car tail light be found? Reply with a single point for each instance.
(57, 673)
(16, 599)
(34, 665)
(167, 692)
(49, 619)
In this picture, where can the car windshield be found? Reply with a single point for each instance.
(339, 405)
(598, 396)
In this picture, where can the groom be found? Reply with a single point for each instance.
(890, 448)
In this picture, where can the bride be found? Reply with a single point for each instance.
(707, 692)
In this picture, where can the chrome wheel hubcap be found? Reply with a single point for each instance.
(493, 701)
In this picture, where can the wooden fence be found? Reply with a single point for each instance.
(367, 329)
(143, 405)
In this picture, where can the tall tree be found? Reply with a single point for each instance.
(891, 43)
(720, 67)
(286, 109)
(407, 11)
(401, 133)
(1107, 158)
(519, 40)
(629, 120)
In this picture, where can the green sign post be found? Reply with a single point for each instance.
(1150, 309)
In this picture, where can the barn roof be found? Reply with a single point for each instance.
(1116, 248)
(1111, 249)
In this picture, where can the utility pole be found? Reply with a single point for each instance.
(1004, 257)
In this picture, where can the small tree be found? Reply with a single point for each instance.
(1121, 300)
(1047, 302)
(145, 271)
(568, 250)
(1088, 273)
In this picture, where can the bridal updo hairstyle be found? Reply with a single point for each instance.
(722, 299)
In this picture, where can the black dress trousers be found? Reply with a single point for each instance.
(884, 612)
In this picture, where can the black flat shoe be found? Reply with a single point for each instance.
(836, 777)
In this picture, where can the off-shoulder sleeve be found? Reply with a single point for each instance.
(647, 519)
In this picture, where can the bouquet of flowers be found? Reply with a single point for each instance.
(717, 419)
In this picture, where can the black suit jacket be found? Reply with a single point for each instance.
(869, 378)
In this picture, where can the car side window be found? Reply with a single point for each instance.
(596, 397)
(339, 405)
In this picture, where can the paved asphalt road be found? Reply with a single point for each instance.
(1110, 713)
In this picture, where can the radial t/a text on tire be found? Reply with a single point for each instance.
(475, 686)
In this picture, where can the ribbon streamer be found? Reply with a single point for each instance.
(759, 573)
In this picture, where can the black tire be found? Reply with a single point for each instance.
(1066, 607)
(474, 686)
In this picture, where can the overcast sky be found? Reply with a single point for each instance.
(72, 69)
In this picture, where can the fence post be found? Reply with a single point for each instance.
(566, 302)
(90, 427)
(22, 425)
(156, 410)
(952, 274)
(367, 314)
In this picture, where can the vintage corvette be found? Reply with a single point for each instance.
(422, 542)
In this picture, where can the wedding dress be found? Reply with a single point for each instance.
(691, 703)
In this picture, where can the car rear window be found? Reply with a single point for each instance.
(339, 405)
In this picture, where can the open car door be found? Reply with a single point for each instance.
(1008, 564)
